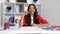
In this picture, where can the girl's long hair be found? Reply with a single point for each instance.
(28, 17)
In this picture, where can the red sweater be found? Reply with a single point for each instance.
(40, 19)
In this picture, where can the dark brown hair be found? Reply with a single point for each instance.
(35, 19)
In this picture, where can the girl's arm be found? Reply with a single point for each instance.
(40, 25)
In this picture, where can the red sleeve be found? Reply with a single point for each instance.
(24, 21)
(41, 20)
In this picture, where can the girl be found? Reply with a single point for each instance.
(31, 18)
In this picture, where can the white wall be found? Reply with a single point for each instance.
(0, 15)
(2, 1)
(0, 11)
(51, 11)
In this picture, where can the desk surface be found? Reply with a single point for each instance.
(28, 30)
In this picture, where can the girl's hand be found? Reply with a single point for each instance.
(25, 13)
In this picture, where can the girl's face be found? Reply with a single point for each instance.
(31, 9)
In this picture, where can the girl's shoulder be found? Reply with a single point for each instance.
(39, 16)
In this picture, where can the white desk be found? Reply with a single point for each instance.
(27, 30)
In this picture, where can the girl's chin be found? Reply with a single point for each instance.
(31, 13)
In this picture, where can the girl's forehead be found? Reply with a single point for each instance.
(31, 6)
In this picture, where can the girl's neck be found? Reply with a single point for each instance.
(31, 15)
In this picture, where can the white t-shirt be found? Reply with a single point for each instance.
(31, 20)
